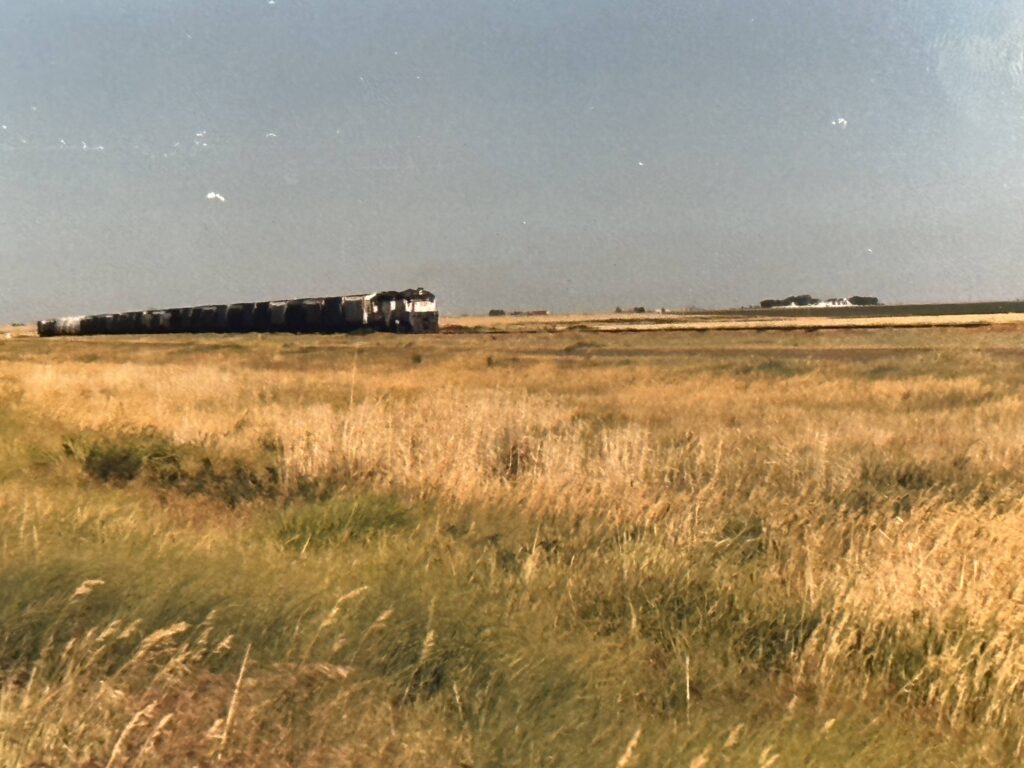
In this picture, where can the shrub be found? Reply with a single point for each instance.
(190, 469)
(120, 458)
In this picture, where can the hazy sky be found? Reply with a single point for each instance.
(521, 153)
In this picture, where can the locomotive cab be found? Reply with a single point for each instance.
(411, 311)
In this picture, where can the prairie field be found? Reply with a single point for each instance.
(558, 548)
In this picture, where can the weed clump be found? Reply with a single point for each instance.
(896, 485)
(152, 458)
(120, 458)
(771, 368)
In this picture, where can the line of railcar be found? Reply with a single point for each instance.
(409, 311)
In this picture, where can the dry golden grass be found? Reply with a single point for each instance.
(834, 519)
(14, 331)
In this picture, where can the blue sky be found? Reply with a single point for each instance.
(573, 155)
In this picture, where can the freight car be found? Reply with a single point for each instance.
(409, 311)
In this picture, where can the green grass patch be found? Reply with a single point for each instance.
(318, 524)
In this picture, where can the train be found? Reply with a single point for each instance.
(410, 311)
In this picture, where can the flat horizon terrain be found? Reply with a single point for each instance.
(756, 318)
(526, 541)
(752, 318)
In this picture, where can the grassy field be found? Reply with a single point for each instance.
(567, 548)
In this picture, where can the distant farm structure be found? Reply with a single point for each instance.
(806, 300)
(410, 311)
